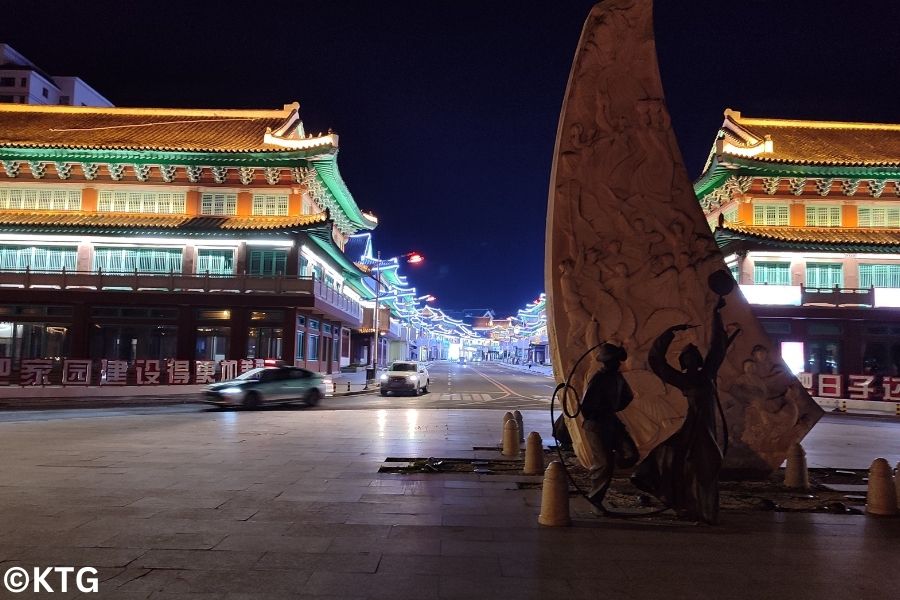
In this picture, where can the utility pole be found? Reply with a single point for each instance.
(375, 316)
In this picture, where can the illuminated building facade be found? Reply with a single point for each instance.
(167, 237)
(23, 82)
(808, 216)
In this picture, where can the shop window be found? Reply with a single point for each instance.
(131, 342)
(317, 272)
(41, 259)
(772, 273)
(300, 347)
(823, 216)
(218, 204)
(823, 329)
(777, 327)
(141, 260)
(215, 262)
(880, 276)
(824, 275)
(336, 349)
(33, 340)
(213, 314)
(267, 263)
(131, 312)
(771, 214)
(823, 357)
(267, 316)
(264, 342)
(212, 343)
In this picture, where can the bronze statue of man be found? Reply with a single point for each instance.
(611, 446)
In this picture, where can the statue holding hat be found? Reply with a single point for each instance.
(606, 394)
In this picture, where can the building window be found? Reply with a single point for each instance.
(823, 216)
(264, 342)
(141, 202)
(267, 262)
(142, 260)
(65, 100)
(131, 342)
(772, 273)
(212, 343)
(215, 262)
(880, 276)
(7, 98)
(33, 340)
(218, 204)
(771, 214)
(38, 258)
(879, 216)
(313, 347)
(270, 204)
(45, 93)
(313, 324)
(733, 269)
(300, 340)
(317, 272)
(39, 199)
(7, 82)
(304, 266)
(824, 275)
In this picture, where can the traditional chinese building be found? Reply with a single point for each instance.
(808, 216)
(157, 237)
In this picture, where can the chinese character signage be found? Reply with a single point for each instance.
(107, 372)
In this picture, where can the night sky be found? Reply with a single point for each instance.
(447, 111)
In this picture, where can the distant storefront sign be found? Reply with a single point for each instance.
(854, 387)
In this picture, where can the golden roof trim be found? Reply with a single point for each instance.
(282, 113)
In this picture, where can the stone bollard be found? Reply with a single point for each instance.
(506, 418)
(897, 484)
(521, 423)
(881, 498)
(795, 474)
(510, 438)
(555, 497)
(534, 454)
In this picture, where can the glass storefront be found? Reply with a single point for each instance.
(212, 343)
(264, 342)
(132, 342)
(33, 340)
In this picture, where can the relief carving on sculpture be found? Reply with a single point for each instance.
(629, 252)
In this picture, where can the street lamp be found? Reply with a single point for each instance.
(412, 258)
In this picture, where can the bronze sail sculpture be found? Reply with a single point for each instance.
(629, 253)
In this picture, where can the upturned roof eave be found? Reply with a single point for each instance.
(280, 158)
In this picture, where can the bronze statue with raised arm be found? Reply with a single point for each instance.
(683, 471)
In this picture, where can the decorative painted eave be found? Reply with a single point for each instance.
(169, 225)
(820, 239)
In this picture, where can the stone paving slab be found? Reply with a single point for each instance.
(269, 505)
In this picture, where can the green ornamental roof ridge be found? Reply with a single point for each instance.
(286, 158)
(322, 238)
(328, 172)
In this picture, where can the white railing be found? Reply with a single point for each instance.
(179, 282)
(798, 295)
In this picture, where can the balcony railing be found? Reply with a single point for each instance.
(801, 295)
(837, 296)
(182, 283)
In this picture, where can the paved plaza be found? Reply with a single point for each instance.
(290, 504)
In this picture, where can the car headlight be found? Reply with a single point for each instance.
(232, 390)
(384, 377)
(413, 378)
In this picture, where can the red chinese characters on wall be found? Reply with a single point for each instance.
(108, 372)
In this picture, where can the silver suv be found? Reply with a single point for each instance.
(405, 376)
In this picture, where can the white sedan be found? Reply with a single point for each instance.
(405, 376)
